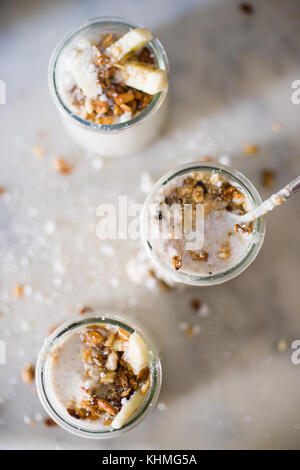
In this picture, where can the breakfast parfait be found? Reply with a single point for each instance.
(106, 78)
(206, 246)
(99, 376)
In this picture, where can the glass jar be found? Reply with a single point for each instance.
(58, 413)
(116, 139)
(259, 225)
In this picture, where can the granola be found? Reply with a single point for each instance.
(225, 242)
(104, 91)
(111, 372)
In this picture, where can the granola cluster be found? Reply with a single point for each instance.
(216, 194)
(120, 98)
(113, 378)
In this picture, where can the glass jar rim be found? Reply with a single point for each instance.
(44, 354)
(238, 268)
(158, 99)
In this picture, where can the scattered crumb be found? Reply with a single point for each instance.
(282, 345)
(206, 159)
(85, 309)
(49, 422)
(61, 166)
(189, 330)
(195, 304)
(38, 151)
(18, 291)
(250, 149)
(52, 329)
(246, 8)
(28, 373)
(268, 178)
(2, 190)
(276, 127)
(160, 282)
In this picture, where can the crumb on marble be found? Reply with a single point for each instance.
(268, 178)
(282, 345)
(28, 373)
(38, 151)
(276, 127)
(195, 304)
(85, 309)
(246, 8)
(49, 422)
(250, 149)
(61, 166)
(18, 291)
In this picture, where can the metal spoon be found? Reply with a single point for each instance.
(274, 201)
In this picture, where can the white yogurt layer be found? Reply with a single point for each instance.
(223, 247)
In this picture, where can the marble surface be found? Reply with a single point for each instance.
(233, 384)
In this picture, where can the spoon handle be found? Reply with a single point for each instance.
(274, 201)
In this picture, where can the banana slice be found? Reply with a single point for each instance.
(144, 77)
(128, 409)
(130, 42)
(85, 73)
(137, 353)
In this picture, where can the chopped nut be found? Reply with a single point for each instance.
(107, 421)
(124, 334)
(243, 228)
(106, 406)
(106, 121)
(268, 178)
(92, 338)
(145, 387)
(238, 197)
(109, 378)
(201, 256)
(143, 374)
(177, 262)
(250, 149)
(18, 291)
(101, 107)
(61, 166)
(28, 373)
(124, 98)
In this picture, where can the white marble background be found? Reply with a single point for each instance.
(231, 385)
